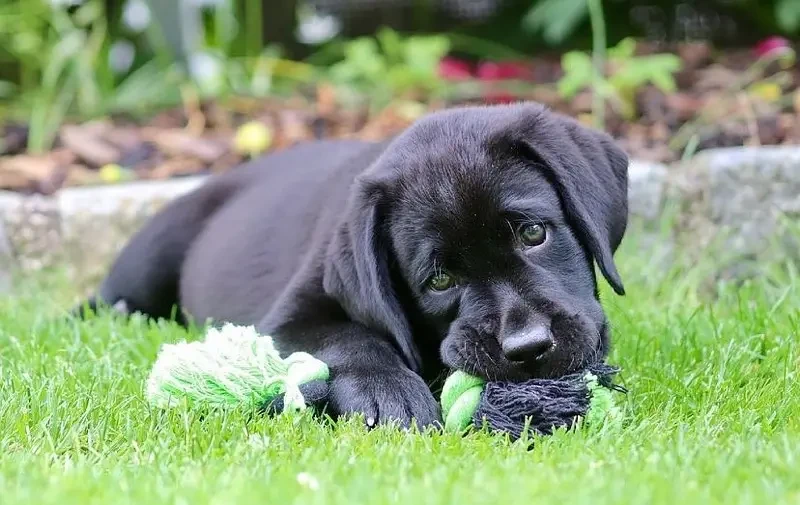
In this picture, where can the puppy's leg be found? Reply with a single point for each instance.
(368, 377)
(145, 276)
(367, 374)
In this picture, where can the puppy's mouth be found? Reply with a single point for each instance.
(481, 355)
(495, 367)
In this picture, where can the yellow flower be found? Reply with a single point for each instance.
(112, 173)
(252, 138)
(769, 92)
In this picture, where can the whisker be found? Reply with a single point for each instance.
(491, 359)
(489, 356)
(596, 349)
(511, 227)
(532, 219)
(571, 362)
(421, 271)
(491, 373)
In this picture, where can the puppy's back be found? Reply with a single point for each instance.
(252, 246)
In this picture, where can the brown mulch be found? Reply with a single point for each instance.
(709, 109)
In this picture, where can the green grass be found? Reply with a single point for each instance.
(713, 416)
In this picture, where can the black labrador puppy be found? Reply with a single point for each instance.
(469, 241)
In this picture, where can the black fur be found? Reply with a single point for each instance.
(328, 247)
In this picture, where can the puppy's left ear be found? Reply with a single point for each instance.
(590, 173)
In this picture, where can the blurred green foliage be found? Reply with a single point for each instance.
(61, 66)
(787, 14)
(555, 19)
(389, 65)
(558, 20)
(624, 75)
(80, 58)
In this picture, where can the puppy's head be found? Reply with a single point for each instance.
(477, 232)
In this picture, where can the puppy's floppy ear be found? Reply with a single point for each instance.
(590, 174)
(357, 272)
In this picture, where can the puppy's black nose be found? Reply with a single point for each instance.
(528, 345)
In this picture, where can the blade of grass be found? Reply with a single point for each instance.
(48, 114)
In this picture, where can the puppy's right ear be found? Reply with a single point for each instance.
(357, 273)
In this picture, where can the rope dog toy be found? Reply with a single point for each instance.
(538, 405)
(235, 366)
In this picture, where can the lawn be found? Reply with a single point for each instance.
(713, 416)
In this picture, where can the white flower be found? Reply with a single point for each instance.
(121, 56)
(206, 69)
(258, 441)
(136, 15)
(317, 28)
(307, 480)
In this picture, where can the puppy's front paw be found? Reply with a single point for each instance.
(396, 396)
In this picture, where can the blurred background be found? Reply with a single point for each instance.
(102, 91)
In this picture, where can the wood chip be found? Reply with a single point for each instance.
(695, 54)
(27, 171)
(85, 143)
(80, 175)
(293, 126)
(13, 139)
(139, 155)
(228, 161)
(326, 100)
(180, 143)
(684, 105)
(97, 127)
(176, 167)
(582, 102)
(123, 138)
(715, 77)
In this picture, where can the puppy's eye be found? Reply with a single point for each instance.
(533, 235)
(441, 282)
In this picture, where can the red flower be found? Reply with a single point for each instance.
(772, 46)
(492, 71)
(499, 97)
(454, 69)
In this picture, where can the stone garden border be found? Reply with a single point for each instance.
(741, 194)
